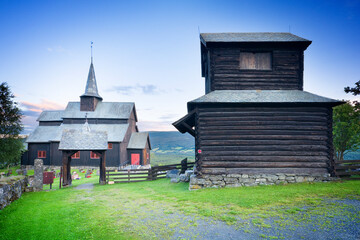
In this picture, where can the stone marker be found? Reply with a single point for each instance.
(172, 173)
(38, 175)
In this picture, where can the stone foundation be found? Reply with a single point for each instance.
(11, 188)
(239, 180)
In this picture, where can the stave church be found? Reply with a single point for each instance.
(87, 129)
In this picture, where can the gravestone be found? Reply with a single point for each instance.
(38, 175)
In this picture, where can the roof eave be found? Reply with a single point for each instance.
(192, 105)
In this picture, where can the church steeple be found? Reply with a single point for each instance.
(91, 86)
(91, 97)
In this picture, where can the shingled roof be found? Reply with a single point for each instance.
(83, 139)
(252, 37)
(50, 116)
(109, 110)
(42, 134)
(263, 96)
(138, 140)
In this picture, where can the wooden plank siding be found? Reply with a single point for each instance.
(264, 140)
(225, 72)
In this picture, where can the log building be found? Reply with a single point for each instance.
(116, 119)
(255, 124)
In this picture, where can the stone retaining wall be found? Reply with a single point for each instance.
(238, 180)
(11, 188)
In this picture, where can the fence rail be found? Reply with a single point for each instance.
(140, 175)
(348, 169)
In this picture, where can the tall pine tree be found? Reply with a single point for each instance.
(10, 127)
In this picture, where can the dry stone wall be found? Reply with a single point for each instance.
(11, 188)
(238, 180)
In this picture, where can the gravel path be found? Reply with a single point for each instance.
(85, 186)
(151, 219)
(316, 227)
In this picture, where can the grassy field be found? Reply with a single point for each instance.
(122, 211)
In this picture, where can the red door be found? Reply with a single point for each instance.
(135, 159)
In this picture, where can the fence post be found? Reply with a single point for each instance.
(150, 174)
(128, 176)
(183, 165)
(154, 173)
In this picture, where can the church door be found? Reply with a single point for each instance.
(135, 159)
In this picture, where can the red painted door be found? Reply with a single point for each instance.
(135, 159)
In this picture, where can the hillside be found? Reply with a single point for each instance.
(171, 147)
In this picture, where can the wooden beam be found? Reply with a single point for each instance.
(188, 129)
(102, 179)
(66, 160)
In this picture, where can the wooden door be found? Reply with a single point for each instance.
(135, 159)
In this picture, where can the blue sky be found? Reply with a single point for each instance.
(149, 52)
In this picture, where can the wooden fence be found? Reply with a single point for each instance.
(348, 169)
(140, 175)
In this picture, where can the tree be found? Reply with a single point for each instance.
(346, 129)
(10, 127)
(355, 91)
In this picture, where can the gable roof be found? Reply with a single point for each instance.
(43, 134)
(50, 116)
(109, 110)
(83, 139)
(138, 140)
(251, 37)
(115, 132)
(263, 96)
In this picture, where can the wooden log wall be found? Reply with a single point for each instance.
(264, 140)
(286, 72)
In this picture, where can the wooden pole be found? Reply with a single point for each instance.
(69, 170)
(65, 169)
(61, 169)
(102, 179)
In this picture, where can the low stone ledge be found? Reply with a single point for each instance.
(11, 188)
(238, 180)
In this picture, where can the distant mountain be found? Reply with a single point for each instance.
(172, 143)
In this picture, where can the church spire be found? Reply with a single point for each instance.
(91, 89)
(91, 97)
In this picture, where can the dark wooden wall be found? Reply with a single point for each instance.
(143, 155)
(33, 149)
(262, 140)
(52, 123)
(88, 103)
(222, 70)
(54, 156)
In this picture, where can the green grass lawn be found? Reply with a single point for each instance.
(115, 211)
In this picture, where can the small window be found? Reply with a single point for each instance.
(41, 154)
(76, 155)
(147, 156)
(255, 60)
(109, 145)
(94, 155)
